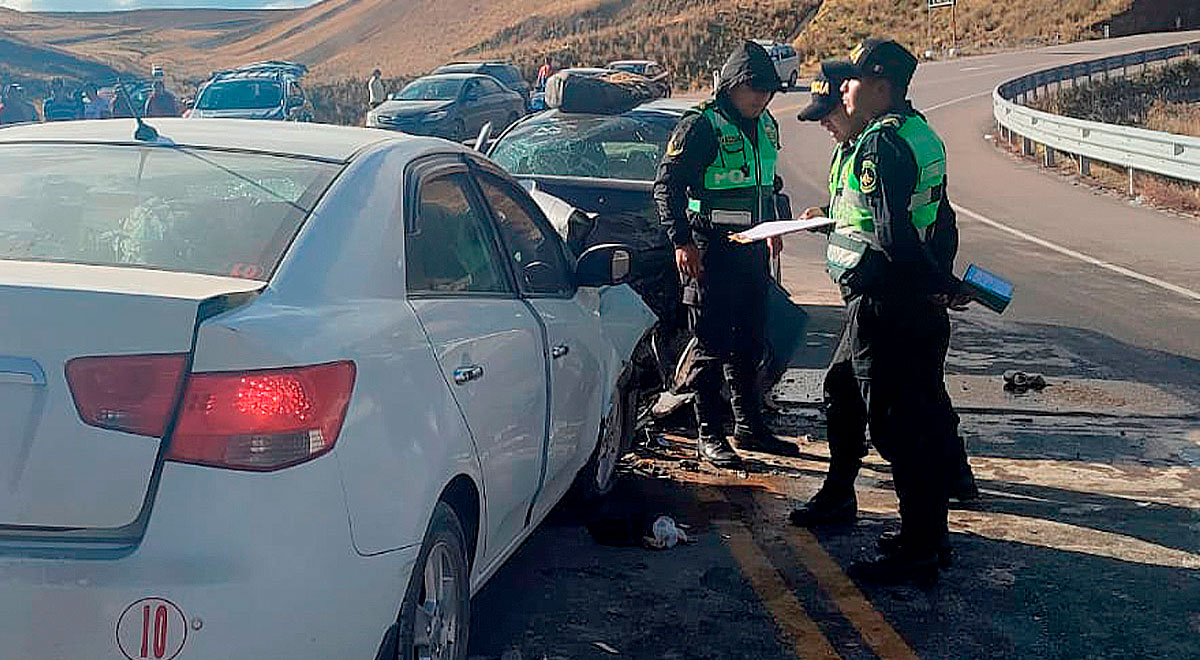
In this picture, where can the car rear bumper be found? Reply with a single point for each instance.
(242, 565)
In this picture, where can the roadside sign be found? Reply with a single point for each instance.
(934, 4)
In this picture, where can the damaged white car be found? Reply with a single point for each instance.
(272, 390)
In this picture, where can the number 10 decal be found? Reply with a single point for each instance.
(151, 629)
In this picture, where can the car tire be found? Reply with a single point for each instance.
(792, 81)
(599, 475)
(460, 130)
(512, 119)
(433, 622)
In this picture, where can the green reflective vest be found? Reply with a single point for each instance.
(854, 232)
(740, 182)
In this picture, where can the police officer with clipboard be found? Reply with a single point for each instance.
(891, 252)
(717, 178)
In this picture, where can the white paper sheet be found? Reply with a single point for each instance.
(778, 228)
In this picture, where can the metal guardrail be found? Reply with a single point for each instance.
(1134, 149)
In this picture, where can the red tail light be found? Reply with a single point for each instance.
(262, 420)
(130, 393)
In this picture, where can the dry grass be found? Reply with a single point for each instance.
(1177, 118)
(982, 25)
(1128, 101)
(692, 37)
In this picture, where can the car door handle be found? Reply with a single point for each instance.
(559, 351)
(464, 375)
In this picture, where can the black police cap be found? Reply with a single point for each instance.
(826, 89)
(882, 58)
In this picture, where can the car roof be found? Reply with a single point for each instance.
(619, 62)
(672, 107)
(253, 74)
(477, 63)
(456, 76)
(318, 141)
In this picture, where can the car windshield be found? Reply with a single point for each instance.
(632, 67)
(241, 95)
(154, 207)
(431, 89)
(627, 146)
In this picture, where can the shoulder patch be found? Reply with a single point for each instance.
(868, 178)
(675, 146)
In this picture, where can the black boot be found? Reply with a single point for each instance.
(834, 504)
(892, 543)
(750, 431)
(962, 486)
(762, 440)
(714, 448)
(919, 566)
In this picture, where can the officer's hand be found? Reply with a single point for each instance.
(815, 212)
(687, 259)
(775, 245)
(960, 301)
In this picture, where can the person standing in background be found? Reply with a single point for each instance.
(544, 72)
(376, 94)
(94, 107)
(60, 105)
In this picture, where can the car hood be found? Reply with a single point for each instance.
(409, 108)
(270, 113)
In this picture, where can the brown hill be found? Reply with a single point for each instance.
(342, 39)
(984, 25)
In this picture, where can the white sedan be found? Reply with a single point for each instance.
(284, 391)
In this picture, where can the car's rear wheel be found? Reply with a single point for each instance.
(435, 614)
(460, 130)
(792, 80)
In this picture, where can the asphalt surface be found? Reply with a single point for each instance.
(1086, 542)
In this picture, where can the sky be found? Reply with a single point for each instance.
(117, 5)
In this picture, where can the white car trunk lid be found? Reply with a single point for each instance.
(56, 471)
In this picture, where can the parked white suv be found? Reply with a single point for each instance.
(786, 59)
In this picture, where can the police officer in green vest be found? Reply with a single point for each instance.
(891, 252)
(717, 178)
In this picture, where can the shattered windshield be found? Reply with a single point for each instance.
(152, 207)
(627, 146)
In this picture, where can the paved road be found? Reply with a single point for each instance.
(1086, 543)
(991, 187)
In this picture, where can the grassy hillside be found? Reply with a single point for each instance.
(981, 24)
(692, 37)
(342, 40)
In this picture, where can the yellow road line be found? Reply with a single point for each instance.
(810, 643)
(874, 628)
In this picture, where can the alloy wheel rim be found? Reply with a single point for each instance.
(610, 438)
(435, 626)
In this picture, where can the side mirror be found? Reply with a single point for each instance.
(603, 265)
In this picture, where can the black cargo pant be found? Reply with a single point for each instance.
(727, 314)
(887, 375)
